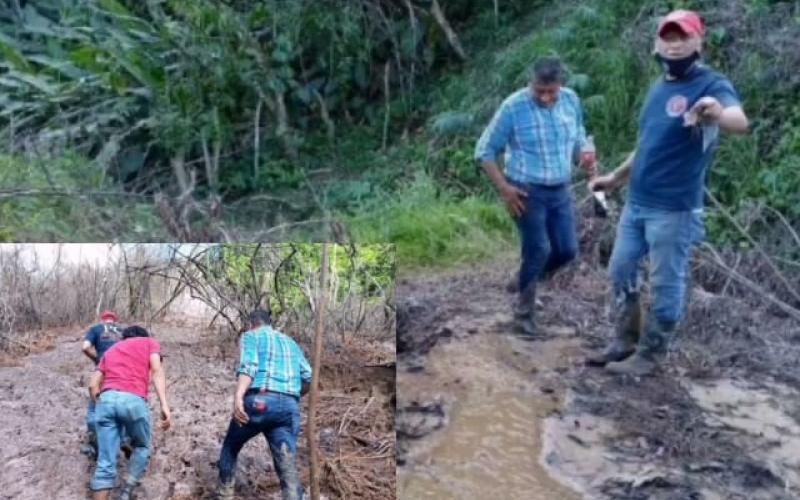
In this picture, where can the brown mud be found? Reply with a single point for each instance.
(484, 414)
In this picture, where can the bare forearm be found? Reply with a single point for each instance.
(242, 384)
(95, 383)
(492, 169)
(90, 354)
(623, 172)
(733, 120)
(160, 385)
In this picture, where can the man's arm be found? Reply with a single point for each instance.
(616, 178)
(95, 382)
(160, 385)
(89, 351)
(732, 119)
(305, 372)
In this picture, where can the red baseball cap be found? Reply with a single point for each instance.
(107, 314)
(685, 20)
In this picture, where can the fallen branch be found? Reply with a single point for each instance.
(746, 282)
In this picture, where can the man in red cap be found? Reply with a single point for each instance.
(98, 339)
(679, 126)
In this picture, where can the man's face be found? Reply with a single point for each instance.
(675, 44)
(546, 93)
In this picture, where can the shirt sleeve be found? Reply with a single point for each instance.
(723, 91)
(495, 137)
(248, 358)
(155, 347)
(305, 368)
(91, 335)
(581, 128)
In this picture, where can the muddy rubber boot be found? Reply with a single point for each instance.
(225, 491)
(627, 331)
(126, 493)
(525, 314)
(649, 352)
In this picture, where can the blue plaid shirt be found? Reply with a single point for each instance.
(274, 361)
(540, 143)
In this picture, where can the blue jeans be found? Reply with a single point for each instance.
(90, 417)
(668, 237)
(118, 412)
(547, 231)
(280, 424)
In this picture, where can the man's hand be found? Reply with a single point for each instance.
(606, 182)
(166, 417)
(706, 110)
(514, 198)
(238, 411)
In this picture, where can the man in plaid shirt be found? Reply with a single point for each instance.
(540, 130)
(273, 374)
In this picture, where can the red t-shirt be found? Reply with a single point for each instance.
(126, 366)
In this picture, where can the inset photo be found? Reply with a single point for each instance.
(197, 371)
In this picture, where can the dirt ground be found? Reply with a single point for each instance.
(720, 421)
(43, 403)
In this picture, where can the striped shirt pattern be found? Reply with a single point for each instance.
(274, 361)
(539, 143)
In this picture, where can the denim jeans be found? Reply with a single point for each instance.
(118, 412)
(547, 231)
(280, 425)
(668, 237)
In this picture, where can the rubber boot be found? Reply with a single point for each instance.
(225, 491)
(525, 313)
(627, 331)
(650, 351)
(126, 493)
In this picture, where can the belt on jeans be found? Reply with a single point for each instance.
(264, 390)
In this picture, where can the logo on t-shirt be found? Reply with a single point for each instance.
(676, 106)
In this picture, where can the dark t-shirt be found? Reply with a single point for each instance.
(102, 336)
(670, 165)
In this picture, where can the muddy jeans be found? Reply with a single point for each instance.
(116, 413)
(668, 237)
(280, 424)
(547, 231)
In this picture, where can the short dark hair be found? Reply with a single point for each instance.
(548, 70)
(261, 316)
(134, 331)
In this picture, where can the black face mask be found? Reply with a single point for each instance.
(677, 68)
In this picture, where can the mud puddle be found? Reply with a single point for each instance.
(761, 414)
(497, 391)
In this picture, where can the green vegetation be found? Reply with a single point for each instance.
(168, 97)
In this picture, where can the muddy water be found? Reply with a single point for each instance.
(761, 412)
(492, 445)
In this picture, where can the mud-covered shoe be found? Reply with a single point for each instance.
(526, 328)
(627, 332)
(126, 493)
(651, 349)
(225, 491)
(617, 351)
(637, 365)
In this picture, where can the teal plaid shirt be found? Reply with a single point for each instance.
(274, 361)
(540, 144)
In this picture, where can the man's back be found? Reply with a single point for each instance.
(102, 336)
(274, 361)
(126, 366)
